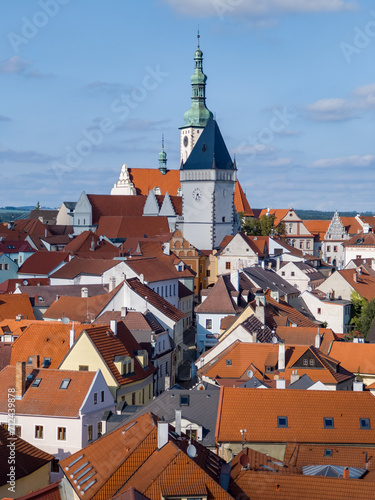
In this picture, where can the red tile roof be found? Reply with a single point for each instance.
(219, 300)
(10, 246)
(15, 304)
(354, 356)
(9, 286)
(275, 309)
(365, 284)
(295, 335)
(43, 263)
(317, 227)
(47, 399)
(152, 269)
(305, 410)
(29, 458)
(132, 227)
(77, 266)
(47, 339)
(50, 492)
(155, 299)
(240, 201)
(89, 243)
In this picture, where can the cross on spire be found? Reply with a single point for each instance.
(198, 36)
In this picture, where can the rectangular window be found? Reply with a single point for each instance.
(305, 362)
(83, 368)
(99, 429)
(1, 267)
(102, 396)
(228, 362)
(335, 248)
(365, 423)
(328, 248)
(61, 433)
(95, 398)
(329, 260)
(319, 310)
(307, 244)
(282, 421)
(17, 430)
(133, 398)
(312, 362)
(55, 465)
(208, 273)
(46, 362)
(39, 432)
(227, 265)
(301, 244)
(282, 273)
(64, 384)
(6, 267)
(184, 400)
(292, 273)
(208, 324)
(36, 382)
(200, 269)
(329, 423)
(328, 453)
(89, 432)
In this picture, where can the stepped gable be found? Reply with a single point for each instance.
(210, 151)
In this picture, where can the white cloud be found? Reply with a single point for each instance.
(364, 97)
(345, 161)
(332, 109)
(10, 155)
(256, 8)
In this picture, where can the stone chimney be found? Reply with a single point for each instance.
(294, 376)
(281, 360)
(357, 386)
(178, 422)
(235, 279)
(35, 361)
(260, 313)
(113, 326)
(112, 283)
(162, 434)
(20, 379)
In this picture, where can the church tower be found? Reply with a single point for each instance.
(198, 115)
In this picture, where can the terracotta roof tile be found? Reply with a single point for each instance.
(47, 339)
(9, 286)
(219, 300)
(281, 308)
(29, 458)
(77, 266)
(240, 201)
(132, 227)
(89, 243)
(12, 305)
(50, 492)
(365, 284)
(355, 356)
(47, 399)
(152, 269)
(43, 263)
(306, 336)
(352, 226)
(305, 410)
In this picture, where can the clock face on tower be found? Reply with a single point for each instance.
(197, 194)
(186, 141)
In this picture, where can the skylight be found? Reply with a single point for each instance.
(65, 383)
(329, 423)
(328, 453)
(365, 423)
(282, 421)
(46, 362)
(36, 382)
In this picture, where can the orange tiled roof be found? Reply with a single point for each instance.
(43, 262)
(81, 309)
(78, 266)
(29, 458)
(240, 201)
(14, 326)
(317, 227)
(219, 300)
(285, 310)
(279, 213)
(47, 339)
(152, 269)
(15, 304)
(124, 344)
(355, 356)
(89, 243)
(47, 399)
(50, 492)
(305, 410)
(132, 227)
(352, 226)
(365, 284)
(295, 335)
(300, 455)
(262, 485)
(361, 240)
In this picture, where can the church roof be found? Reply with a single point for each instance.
(210, 151)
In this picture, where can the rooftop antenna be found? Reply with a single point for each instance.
(198, 36)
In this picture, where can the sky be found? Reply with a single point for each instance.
(87, 85)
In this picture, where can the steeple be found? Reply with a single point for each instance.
(198, 114)
(162, 158)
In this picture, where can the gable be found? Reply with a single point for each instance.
(308, 360)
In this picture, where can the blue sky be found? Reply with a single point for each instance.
(89, 85)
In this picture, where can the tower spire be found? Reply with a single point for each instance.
(198, 36)
(162, 158)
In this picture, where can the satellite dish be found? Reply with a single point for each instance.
(274, 339)
(244, 460)
(191, 451)
(250, 374)
(65, 320)
(25, 282)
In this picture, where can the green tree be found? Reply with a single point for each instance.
(38, 206)
(363, 314)
(264, 226)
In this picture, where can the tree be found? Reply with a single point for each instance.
(38, 206)
(264, 226)
(363, 314)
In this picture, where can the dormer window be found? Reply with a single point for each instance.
(329, 423)
(364, 423)
(36, 382)
(46, 362)
(228, 362)
(64, 384)
(29, 360)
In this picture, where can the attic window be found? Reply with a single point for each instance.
(229, 362)
(40, 298)
(36, 382)
(365, 423)
(329, 423)
(328, 453)
(184, 400)
(29, 360)
(312, 362)
(282, 421)
(64, 384)
(46, 362)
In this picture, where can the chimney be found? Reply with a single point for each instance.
(317, 340)
(178, 422)
(294, 376)
(20, 379)
(260, 313)
(113, 326)
(162, 434)
(255, 336)
(92, 246)
(167, 248)
(235, 279)
(71, 337)
(355, 277)
(84, 292)
(281, 360)
(124, 311)
(357, 386)
(141, 278)
(345, 473)
(18, 286)
(112, 283)
(35, 361)
(280, 383)
(278, 259)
